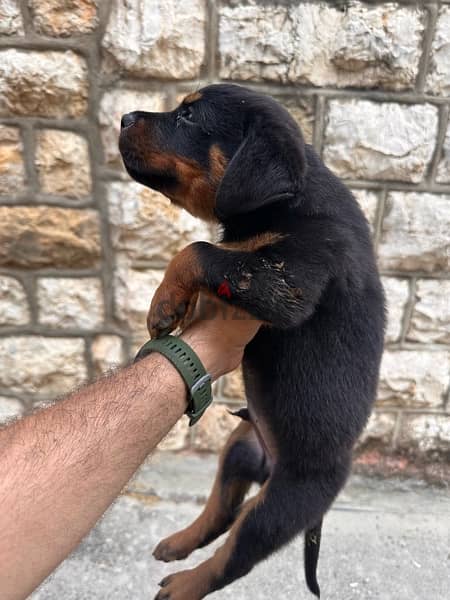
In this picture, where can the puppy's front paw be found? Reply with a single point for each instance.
(167, 310)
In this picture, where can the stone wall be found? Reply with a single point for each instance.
(82, 247)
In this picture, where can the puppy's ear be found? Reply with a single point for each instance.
(268, 166)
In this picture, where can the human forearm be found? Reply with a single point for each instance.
(62, 467)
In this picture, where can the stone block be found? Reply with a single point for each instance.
(156, 38)
(214, 428)
(368, 201)
(146, 227)
(443, 170)
(42, 236)
(233, 386)
(426, 433)
(430, 320)
(388, 141)
(107, 353)
(10, 409)
(379, 429)
(133, 293)
(10, 18)
(64, 17)
(303, 110)
(62, 163)
(113, 105)
(66, 303)
(178, 436)
(438, 81)
(397, 294)
(42, 83)
(12, 170)
(414, 233)
(48, 366)
(414, 378)
(319, 44)
(13, 302)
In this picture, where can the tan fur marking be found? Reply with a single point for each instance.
(218, 163)
(193, 97)
(254, 243)
(216, 512)
(180, 283)
(196, 192)
(223, 554)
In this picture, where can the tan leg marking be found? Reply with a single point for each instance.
(175, 294)
(215, 515)
(195, 584)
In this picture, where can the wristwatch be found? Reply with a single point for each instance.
(191, 369)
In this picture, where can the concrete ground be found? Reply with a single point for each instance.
(384, 540)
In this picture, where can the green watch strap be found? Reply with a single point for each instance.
(191, 369)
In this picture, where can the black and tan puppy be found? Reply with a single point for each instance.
(295, 253)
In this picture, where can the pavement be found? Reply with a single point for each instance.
(383, 539)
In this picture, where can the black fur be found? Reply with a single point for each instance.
(312, 373)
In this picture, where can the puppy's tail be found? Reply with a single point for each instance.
(311, 557)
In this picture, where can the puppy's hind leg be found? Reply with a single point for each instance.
(285, 505)
(241, 463)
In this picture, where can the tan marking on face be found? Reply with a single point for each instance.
(217, 164)
(193, 97)
(195, 192)
(254, 243)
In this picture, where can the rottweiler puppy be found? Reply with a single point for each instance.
(295, 253)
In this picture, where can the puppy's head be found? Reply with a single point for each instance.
(225, 151)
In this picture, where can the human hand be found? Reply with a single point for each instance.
(218, 333)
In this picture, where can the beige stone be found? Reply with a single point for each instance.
(430, 320)
(156, 38)
(318, 44)
(10, 409)
(10, 18)
(427, 433)
(64, 17)
(13, 302)
(214, 428)
(397, 294)
(414, 234)
(12, 170)
(133, 293)
(48, 366)
(70, 302)
(114, 104)
(371, 140)
(107, 353)
(438, 81)
(379, 429)
(62, 162)
(178, 436)
(42, 83)
(443, 171)
(233, 386)
(414, 378)
(303, 111)
(147, 227)
(368, 201)
(43, 236)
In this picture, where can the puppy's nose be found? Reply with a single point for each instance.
(128, 119)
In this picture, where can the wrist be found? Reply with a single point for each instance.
(215, 359)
